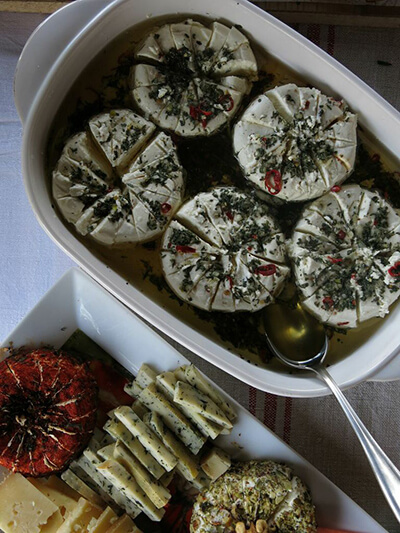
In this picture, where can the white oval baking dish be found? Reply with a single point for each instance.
(52, 60)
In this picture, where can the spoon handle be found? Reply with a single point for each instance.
(385, 471)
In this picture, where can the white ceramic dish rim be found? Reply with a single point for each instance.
(76, 301)
(261, 378)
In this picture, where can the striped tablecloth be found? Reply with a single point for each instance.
(316, 428)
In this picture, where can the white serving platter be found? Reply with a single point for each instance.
(43, 77)
(77, 301)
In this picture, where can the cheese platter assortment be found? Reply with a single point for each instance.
(169, 451)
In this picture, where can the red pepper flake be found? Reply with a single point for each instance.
(229, 215)
(375, 222)
(353, 303)
(341, 235)
(185, 249)
(335, 259)
(230, 280)
(227, 98)
(197, 113)
(265, 270)
(273, 181)
(249, 248)
(307, 104)
(194, 112)
(255, 237)
(165, 208)
(353, 276)
(342, 323)
(328, 302)
(336, 188)
(394, 271)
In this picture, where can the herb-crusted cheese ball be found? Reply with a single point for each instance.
(190, 79)
(346, 254)
(115, 183)
(224, 252)
(295, 143)
(261, 495)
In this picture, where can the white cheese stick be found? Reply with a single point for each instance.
(123, 481)
(166, 382)
(90, 462)
(146, 437)
(173, 418)
(200, 382)
(119, 431)
(157, 493)
(199, 402)
(187, 465)
(84, 490)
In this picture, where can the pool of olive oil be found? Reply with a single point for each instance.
(209, 162)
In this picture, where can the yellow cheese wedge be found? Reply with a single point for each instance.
(215, 463)
(80, 518)
(23, 508)
(104, 522)
(124, 525)
(58, 492)
(53, 523)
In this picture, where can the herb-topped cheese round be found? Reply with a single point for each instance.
(295, 143)
(190, 79)
(115, 183)
(254, 496)
(224, 252)
(346, 254)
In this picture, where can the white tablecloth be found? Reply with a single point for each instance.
(31, 264)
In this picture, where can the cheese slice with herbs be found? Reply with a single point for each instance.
(187, 464)
(145, 436)
(157, 493)
(224, 252)
(124, 482)
(120, 134)
(91, 462)
(294, 143)
(346, 255)
(195, 400)
(128, 199)
(167, 382)
(118, 431)
(181, 84)
(173, 418)
(80, 486)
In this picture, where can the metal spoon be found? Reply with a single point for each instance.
(292, 335)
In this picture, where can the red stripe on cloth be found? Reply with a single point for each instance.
(314, 33)
(252, 400)
(287, 421)
(331, 40)
(270, 406)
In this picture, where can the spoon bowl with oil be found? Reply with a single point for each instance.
(299, 341)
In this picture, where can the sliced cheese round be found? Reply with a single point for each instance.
(190, 79)
(224, 252)
(346, 255)
(294, 143)
(114, 185)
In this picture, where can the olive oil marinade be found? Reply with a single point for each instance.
(208, 162)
